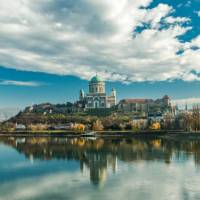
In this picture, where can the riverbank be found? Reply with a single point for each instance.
(104, 134)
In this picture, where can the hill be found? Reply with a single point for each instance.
(47, 113)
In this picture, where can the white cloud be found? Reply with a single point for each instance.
(20, 83)
(87, 36)
(194, 43)
(172, 20)
(189, 101)
(155, 15)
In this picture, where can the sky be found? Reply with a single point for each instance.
(49, 49)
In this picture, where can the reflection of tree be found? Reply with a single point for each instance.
(98, 155)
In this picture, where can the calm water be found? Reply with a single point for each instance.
(61, 168)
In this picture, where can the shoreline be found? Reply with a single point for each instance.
(104, 134)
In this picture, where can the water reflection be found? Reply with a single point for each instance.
(102, 154)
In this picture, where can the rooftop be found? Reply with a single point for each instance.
(136, 100)
(95, 79)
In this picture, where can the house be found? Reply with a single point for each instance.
(20, 127)
(67, 126)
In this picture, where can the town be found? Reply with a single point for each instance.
(97, 111)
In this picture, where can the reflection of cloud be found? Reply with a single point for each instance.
(41, 186)
(16, 165)
(149, 180)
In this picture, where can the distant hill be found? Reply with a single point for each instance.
(7, 113)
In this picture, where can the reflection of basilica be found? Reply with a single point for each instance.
(101, 155)
(98, 165)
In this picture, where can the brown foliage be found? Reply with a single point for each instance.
(97, 125)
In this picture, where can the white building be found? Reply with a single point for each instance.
(96, 97)
(20, 127)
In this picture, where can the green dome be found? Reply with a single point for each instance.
(95, 79)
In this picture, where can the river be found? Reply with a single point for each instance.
(60, 168)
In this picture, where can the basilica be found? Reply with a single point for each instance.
(96, 97)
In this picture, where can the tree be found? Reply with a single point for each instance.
(195, 118)
(155, 126)
(79, 127)
(97, 126)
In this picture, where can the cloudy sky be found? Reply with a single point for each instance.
(50, 48)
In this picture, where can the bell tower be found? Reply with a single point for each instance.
(81, 95)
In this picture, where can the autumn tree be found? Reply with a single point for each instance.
(97, 125)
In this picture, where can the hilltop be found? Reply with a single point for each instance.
(57, 113)
(47, 116)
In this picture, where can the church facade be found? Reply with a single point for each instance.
(96, 96)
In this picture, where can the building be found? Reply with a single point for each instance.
(67, 126)
(145, 105)
(134, 105)
(97, 97)
(155, 117)
(20, 127)
(163, 102)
